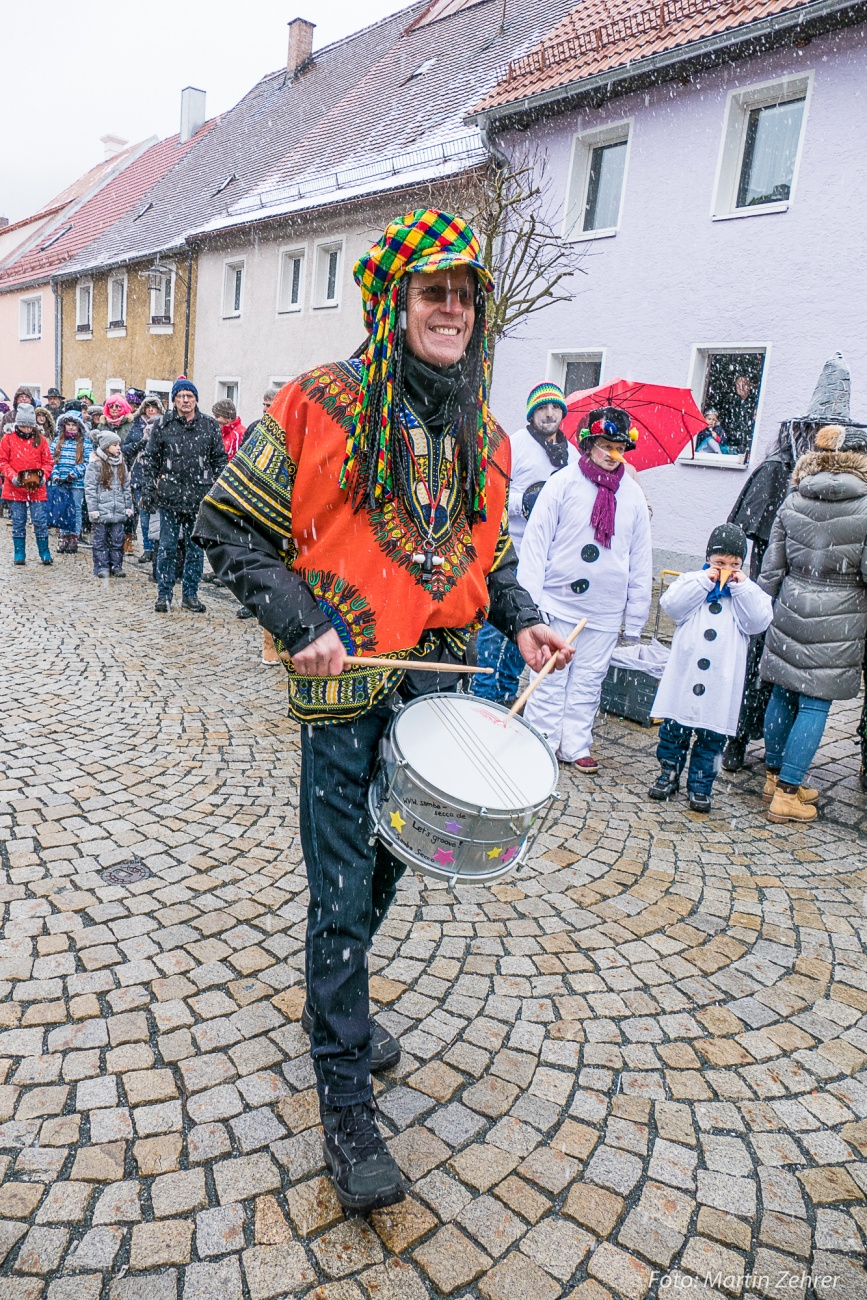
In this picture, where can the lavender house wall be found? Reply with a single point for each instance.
(673, 278)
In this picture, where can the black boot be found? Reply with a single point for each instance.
(733, 755)
(365, 1174)
(193, 604)
(699, 802)
(384, 1047)
(666, 785)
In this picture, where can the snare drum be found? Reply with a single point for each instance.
(459, 787)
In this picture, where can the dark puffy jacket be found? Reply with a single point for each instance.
(815, 568)
(181, 463)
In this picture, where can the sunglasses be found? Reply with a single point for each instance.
(439, 294)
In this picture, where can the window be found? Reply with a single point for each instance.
(233, 289)
(291, 280)
(328, 259)
(761, 146)
(83, 386)
(596, 182)
(36, 390)
(117, 302)
(84, 307)
(162, 299)
(114, 388)
(30, 317)
(228, 390)
(161, 388)
(727, 385)
(576, 371)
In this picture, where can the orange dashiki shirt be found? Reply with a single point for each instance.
(364, 567)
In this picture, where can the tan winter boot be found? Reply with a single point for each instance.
(805, 793)
(786, 807)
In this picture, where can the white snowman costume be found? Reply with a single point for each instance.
(530, 464)
(572, 576)
(704, 678)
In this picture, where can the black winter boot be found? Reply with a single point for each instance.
(699, 802)
(384, 1047)
(665, 786)
(734, 754)
(365, 1174)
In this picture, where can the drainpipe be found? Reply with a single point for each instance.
(58, 335)
(187, 316)
(499, 157)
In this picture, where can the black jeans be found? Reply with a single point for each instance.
(174, 529)
(352, 885)
(673, 747)
(107, 547)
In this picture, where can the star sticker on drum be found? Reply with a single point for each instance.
(509, 854)
(444, 857)
(397, 822)
(453, 827)
(494, 853)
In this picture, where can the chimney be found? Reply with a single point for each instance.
(300, 43)
(192, 112)
(113, 145)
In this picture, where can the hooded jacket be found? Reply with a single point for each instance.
(106, 505)
(17, 454)
(66, 464)
(815, 568)
(181, 463)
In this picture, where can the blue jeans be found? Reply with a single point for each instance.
(673, 747)
(497, 652)
(794, 726)
(352, 884)
(172, 527)
(38, 518)
(145, 519)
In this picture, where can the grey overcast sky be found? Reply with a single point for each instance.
(73, 72)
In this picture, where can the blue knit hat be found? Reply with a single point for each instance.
(184, 385)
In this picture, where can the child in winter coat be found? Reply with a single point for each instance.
(109, 504)
(71, 451)
(25, 466)
(586, 553)
(717, 609)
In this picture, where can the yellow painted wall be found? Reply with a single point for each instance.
(140, 355)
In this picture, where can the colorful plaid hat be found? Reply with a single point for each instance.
(541, 395)
(424, 240)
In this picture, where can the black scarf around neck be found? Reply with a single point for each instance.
(432, 391)
(556, 448)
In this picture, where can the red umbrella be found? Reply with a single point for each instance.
(666, 418)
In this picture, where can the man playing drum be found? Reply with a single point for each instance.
(366, 515)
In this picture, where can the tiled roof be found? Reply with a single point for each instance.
(390, 88)
(601, 36)
(79, 226)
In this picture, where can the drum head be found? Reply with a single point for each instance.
(473, 753)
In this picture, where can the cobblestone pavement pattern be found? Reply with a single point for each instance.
(643, 1056)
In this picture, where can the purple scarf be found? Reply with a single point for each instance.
(605, 505)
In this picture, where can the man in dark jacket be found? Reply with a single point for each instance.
(184, 457)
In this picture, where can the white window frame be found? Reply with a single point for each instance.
(163, 326)
(161, 388)
(559, 358)
(115, 386)
(583, 144)
(292, 251)
(321, 252)
(25, 335)
(82, 384)
(695, 382)
(731, 152)
(117, 331)
(80, 331)
(278, 381)
(233, 264)
(221, 387)
(36, 390)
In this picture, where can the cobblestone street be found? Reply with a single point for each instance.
(639, 1062)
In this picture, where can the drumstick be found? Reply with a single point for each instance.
(405, 665)
(544, 671)
(413, 665)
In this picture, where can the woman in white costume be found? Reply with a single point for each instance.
(586, 553)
